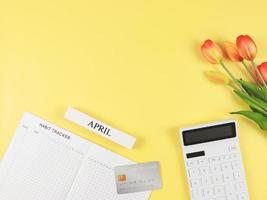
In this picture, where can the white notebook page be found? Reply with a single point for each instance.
(45, 162)
(100, 163)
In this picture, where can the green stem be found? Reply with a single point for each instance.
(232, 86)
(251, 73)
(231, 75)
(259, 74)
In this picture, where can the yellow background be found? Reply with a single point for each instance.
(133, 64)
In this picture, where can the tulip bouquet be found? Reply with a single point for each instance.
(253, 92)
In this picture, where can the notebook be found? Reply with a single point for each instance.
(46, 162)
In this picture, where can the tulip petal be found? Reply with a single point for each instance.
(263, 70)
(232, 52)
(217, 77)
(211, 51)
(246, 47)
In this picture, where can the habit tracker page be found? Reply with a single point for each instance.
(45, 162)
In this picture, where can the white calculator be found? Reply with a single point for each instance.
(213, 162)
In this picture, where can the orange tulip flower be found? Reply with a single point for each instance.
(217, 77)
(232, 52)
(263, 70)
(246, 47)
(212, 52)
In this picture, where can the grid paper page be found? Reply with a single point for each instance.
(45, 162)
(98, 167)
(39, 165)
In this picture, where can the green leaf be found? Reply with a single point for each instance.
(258, 118)
(251, 102)
(253, 89)
(265, 94)
(262, 103)
(252, 109)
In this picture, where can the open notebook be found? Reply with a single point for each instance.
(45, 162)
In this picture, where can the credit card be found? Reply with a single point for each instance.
(137, 177)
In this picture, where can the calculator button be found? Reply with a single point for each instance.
(196, 194)
(208, 192)
(217, 179)
(195, 183)
(236, 164)
(224, 158)
(203, 161)
(228, 177)
(214, 159)
(233, 148)
(191, 163)
(242, 196)
(219, 191)
(231, 198)
(215, 169)
(193, 172)
(204, 170)
(206, 181)
(230, 191)
(237, 175)
(226, 166)
(235, 156)
(240, 186)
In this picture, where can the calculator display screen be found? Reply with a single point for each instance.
(208, 134)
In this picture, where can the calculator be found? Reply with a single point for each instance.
(213, 162)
